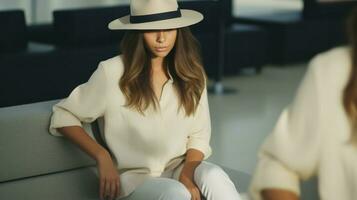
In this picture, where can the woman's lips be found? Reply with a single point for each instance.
(161, 49)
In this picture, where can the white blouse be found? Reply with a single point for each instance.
(142, 146)
(312, 135)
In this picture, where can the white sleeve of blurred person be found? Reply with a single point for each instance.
(291, 151)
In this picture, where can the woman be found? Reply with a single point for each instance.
(316, 134)
(153, 99)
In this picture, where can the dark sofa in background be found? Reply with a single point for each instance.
(296, 36)
(294, 39)
(13, 32)
(32, 73)
(317, 9)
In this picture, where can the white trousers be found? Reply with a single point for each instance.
(212, 181)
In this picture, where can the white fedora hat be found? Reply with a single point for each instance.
(155, 14)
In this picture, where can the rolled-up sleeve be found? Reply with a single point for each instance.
(291, 152)
(200, 134)
(85, 103)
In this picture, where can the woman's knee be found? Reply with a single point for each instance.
(209, 173)
(172, 190)
(214, 182)
(161, 189)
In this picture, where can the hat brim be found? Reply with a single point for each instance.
(188, 17)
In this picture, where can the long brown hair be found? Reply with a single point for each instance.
(350, 92)
(183, 62)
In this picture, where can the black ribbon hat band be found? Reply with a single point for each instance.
(155, 17)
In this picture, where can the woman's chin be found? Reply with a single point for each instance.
(161, 54)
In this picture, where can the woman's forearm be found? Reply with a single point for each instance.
(192, 160)
(278, 194)
(78, 136)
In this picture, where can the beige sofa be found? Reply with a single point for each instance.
(37, 165)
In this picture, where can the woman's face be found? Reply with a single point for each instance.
(160, 42)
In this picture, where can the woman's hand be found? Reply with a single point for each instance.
(109, 186)
(193, 159)
(191, 186)
(186, 178)
(278, 194)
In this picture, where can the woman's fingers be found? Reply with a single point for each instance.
(107, 189)
(198, 194)
(117, 185)
(113, 189)
(198, 197)
(101, 188)
(195, 194)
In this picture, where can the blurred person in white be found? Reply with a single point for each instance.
(316, 135)
(153, 99)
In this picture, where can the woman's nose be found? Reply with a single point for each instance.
(161, 36)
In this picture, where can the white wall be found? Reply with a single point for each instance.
(254, 7)
(17, 4)
(43, 8)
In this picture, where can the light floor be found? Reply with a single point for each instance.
(241, 121)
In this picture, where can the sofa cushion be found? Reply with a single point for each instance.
(13, 31)
(41, 76)
(207, 31)
(293, 39)
(245, 46)
(316, 9)
(26, 147)
(78, 184)
(41, 33)
(88, 26)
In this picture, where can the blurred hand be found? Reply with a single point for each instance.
(109, 187)
(191, 186)
(278, 194)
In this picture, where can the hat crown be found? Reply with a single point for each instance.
(148, 7)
